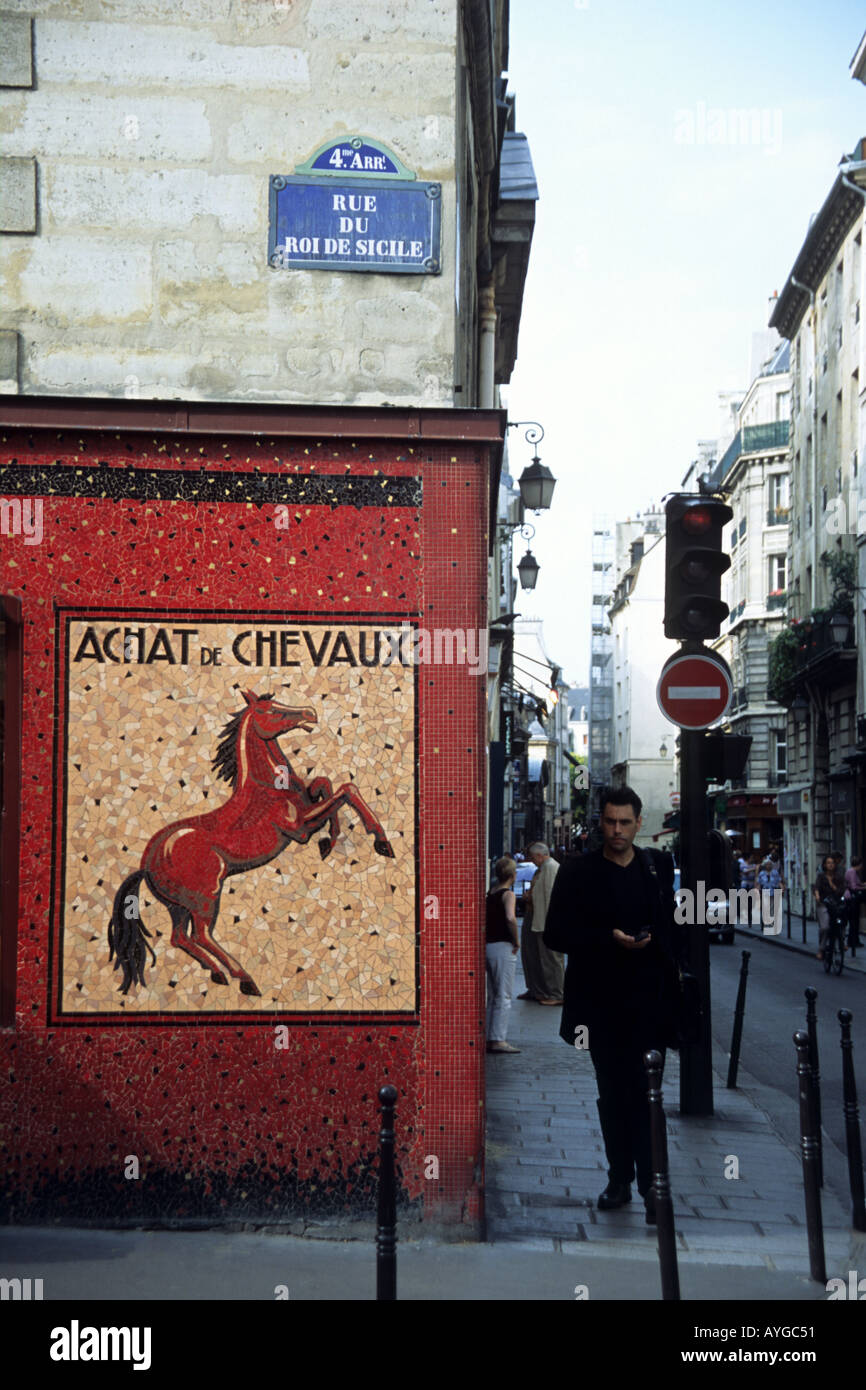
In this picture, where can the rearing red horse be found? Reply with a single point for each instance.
(186, 863)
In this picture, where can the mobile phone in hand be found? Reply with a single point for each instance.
(642, 935)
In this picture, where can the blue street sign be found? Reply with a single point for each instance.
(390, 226)
(346, 159)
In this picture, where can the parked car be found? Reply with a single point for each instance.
(525, 875)
(718, 926)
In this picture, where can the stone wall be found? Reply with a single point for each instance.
(139, 265)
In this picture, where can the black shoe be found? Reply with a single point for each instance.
(616, 1194)
(650, 1204)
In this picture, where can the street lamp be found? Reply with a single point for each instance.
(528, 570)
(839, 628)
(663, 750)
(536, 482)
(800, 708)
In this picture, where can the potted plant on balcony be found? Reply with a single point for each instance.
(785, 656)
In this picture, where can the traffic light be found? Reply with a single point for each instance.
(694, 565)
(725, 755)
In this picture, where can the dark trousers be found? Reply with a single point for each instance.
(623, 1106)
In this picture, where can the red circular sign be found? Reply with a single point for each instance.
(694, 691)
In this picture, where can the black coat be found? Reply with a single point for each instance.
(611, 990)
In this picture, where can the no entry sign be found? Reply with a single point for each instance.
(694, 690)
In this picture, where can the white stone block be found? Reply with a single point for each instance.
(98, 370)
(84, 281)
(88, 125)
(279, 137)
(434, 21)
(238, 263)
(220, 287)
(398, 317)
(137, 55)
(210, 12)
(84, 196)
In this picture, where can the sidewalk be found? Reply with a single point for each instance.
(856, 963)
(738, 1239)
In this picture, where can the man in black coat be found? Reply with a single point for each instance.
(612, 913)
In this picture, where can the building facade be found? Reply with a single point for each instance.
(644, 741)
(247, 525)
(752, 472)
(601, 678)
(815, 663)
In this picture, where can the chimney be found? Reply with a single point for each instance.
(771, 304)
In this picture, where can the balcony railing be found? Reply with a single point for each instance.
(751, 440)
(737, 611)
(821, 655)
(777, 598)
(777, 516)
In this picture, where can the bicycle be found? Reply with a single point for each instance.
(834, 945)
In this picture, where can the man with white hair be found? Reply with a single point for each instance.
(543, 969)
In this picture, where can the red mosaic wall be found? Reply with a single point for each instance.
(224, 1125)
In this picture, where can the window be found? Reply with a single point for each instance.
(781, 756)
(778, 573)
(779, 491)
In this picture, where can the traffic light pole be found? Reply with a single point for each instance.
(696, 1070)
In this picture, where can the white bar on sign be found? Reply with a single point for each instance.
(694, 692)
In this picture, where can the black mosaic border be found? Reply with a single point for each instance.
(120, 484)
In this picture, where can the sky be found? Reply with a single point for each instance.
(664, 224)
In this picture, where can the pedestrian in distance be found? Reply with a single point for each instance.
(830, 884)
(501, 953)
(612, 913)
(855, 889)
(543, 970)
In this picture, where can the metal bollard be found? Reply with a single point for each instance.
(803, 912)
(386, 1233)
(787, 891)
(852, 1124)
(812, 1028)
(811, 1184)
(739, 1011)
(661, 1180)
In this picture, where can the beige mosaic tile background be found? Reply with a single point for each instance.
(316, 936)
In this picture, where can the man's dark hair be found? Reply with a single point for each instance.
(620, 796)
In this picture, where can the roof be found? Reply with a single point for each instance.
(516, 172)
(513, 225)
(779, 362)
(827, 231)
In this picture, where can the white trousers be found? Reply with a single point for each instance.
(501, 964)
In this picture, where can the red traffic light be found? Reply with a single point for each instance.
(694, 565)
(697, 520)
